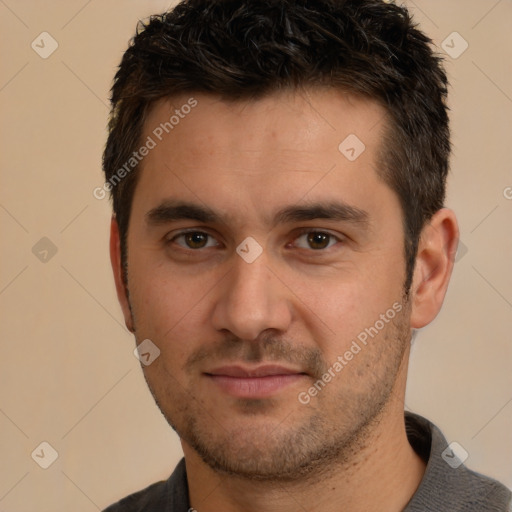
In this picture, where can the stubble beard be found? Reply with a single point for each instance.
(307, 442)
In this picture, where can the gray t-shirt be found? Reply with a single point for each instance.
(446, 486)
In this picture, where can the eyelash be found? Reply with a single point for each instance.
(301, 232)
(183, 233)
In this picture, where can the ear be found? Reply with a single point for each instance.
(434, 264)
(115, 259)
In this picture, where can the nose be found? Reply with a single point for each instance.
(251, 299)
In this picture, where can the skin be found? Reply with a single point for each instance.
(300, 304)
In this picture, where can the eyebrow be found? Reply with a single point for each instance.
(171, 211)
(337, 211)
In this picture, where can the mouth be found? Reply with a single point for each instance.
(258, 382)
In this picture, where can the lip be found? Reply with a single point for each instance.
(258, 382)
(258, 371)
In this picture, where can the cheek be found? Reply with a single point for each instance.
(165, 314)
(338, 311)
(163, 304)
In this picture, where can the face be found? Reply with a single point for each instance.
(265, 261)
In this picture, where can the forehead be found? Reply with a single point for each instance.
(248, 154)
(288, 120)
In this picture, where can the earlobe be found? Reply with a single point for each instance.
(434, 264)
(115, 259)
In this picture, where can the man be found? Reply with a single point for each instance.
(278, 177)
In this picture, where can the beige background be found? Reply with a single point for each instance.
(68, 375)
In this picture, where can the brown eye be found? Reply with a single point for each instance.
(194, 240)
(315, 240)
(318, 240)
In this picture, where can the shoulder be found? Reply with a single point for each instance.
(171, 494)
(153, 496)
(448, 485)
